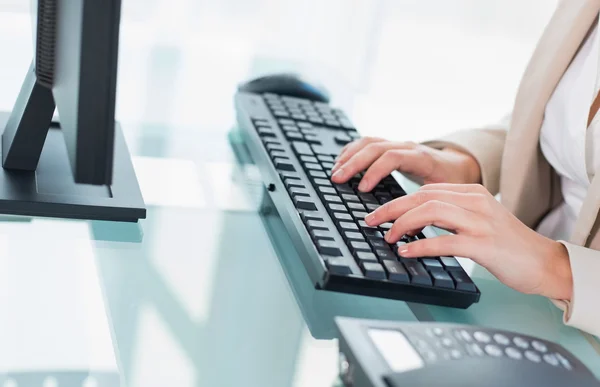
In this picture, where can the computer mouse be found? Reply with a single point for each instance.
(289, 84)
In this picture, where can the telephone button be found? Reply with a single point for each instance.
(565, 363)
(475, 350)
(482, 337)
(513, 353)
(538, 346)
(521, 342)
(501, 339)
(493, 350)
(551, 359)
(533, 356)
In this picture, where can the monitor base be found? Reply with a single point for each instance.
(51, 191)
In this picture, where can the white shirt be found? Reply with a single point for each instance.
(568, 144)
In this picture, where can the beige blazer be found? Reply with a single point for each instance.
(512, 162)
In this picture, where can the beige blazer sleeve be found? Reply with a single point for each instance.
(486, 145)
(582, 311)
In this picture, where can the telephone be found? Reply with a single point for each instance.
(392, 354)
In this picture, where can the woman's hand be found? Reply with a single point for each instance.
(380, 158)
(484, 231)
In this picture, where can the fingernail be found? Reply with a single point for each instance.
(363, 186)
(369, 218)
(403, 251)
(338, 174)
(387, 237)
(335, 167)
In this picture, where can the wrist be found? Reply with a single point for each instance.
(559, 284)
(468, 165)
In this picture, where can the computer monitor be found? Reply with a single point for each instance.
(81, 167)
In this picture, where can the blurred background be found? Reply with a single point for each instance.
(402, 69)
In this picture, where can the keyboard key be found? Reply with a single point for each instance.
(386, 226)
(317, 174)
(451, 263)
(441, 279)
(323, 182)
(265, 132)
(316, 225)
(280, 113)
(305, 203)
(385, 254)
(321, 234)
(373, 270)
(347, 226)
(350, 198)
(344, 188)
(364, 226)
(295, 191)
(328, 248)
(292, 136)
(417, 272)
(384, 199)
(275, 147)
(338, 266)
(342, 216)
(372, 206)
(312, 139)
(328, 166)
(285, 121)
(359, 214)
(326, 190)
(354, 236)
(463, 282)
(363, 256)
(283, 164)
(309, 159)
(293, 175)
(336, 207)
(306, 216)
(373, 233)
(355, 206)
(368, 198)
(396, 271)
(302, 148)
(316, 167)
(290, 183)
(282, 155)
(378, 243)
(342, 139)
(304, 125)
(432, 264)
(356, 246)
(332, 199)
(326, 158)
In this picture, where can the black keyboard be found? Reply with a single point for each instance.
(294, 143)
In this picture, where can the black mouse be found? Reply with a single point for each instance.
(286, 84)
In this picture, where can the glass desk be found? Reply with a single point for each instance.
(204, 291)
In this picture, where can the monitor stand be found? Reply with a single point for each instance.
(36, 178)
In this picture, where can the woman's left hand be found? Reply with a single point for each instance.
(484, 231)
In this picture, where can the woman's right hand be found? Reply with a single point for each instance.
(380, 157)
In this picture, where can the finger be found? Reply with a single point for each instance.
(351, 149)
(362, 159)
(407, 160)
(444, 245)
(435, 213)
(461, 188)
(398, 207)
